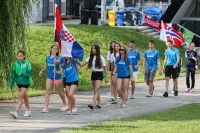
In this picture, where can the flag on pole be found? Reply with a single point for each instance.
(188, 35)
(66, 42)
(171, 34)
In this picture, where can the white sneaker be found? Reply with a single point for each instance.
(27, 113)
(172, 92)
(14, 114)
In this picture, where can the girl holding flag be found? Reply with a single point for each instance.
(69, 66)
(52, 60)
(97, 63)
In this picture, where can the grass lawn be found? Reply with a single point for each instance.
(185, 119)
(40, 38)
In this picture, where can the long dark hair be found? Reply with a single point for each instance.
(115, 50)
(125, 54)
(65, 62)
(98, 62)
(57, 54)
(111, 48)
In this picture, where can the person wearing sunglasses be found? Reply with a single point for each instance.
(151, 62)
(123, 66)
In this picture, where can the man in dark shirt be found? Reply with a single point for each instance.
(191, 67)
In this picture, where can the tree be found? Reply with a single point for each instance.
(14, 21)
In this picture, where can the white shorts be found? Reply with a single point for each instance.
(135, 76)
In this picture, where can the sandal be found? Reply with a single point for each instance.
(114, 102)
(91, 106)
(97, 107)
(74, 111)
(132, 97)
(44, 111)
(68, 107)
(63, 108)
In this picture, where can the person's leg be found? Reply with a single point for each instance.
(119, 87)
(26, 101)
(150, 87)
(167, 84)
(49, 85)
(97, 85)
(72, 89)
(187, 79)
(61, 94)
(125, 82)
(193, 78)
(133, 84)
(111, 87)
(151, 79)
(20, 98)
(115, 87)
(146, 78)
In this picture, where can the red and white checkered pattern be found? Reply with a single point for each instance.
(68, 37)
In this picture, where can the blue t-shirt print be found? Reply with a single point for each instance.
(151, 58)
(73, 62)
(135, 57)
(171, 56)
(70, 72)
(122, 67)
(50, 64)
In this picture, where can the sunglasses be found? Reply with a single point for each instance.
(121, 49)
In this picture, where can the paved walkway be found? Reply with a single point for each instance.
(56, 120)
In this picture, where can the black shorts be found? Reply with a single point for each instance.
(64, 81)
(170, 71)
(97, 75)
(110, 67)
(71, 83)
(127, 77)
(22, 86)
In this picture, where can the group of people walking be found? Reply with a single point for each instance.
(122, 63)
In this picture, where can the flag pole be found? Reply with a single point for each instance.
(54, 44)
(164, 32)
(187, 29)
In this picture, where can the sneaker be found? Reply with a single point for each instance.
(165, 94)
(175, 93)
(148, 95)
(152, 91)
(111, 99)
(27, 113)
(187, 90)
(192, 90)
(14, 114)
(172, 92)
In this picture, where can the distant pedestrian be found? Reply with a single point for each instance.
(51, 60)
(191, 67)
(151, 62)
(123, 66)
(96, 62)
(135, 59)
(69, 68)
(110, 52)
(114, 80)
(21, 72)
(172, 57)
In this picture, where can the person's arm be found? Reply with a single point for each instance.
(178, 59)
(43, 69)
(164, 64)
(58, 72)
(56, 61)
(196, 62)
(106, 72)
(82, 63)
(143, 66)
(28, 71)
(138, 63)
(187, 55)
(12, 77)
(138, 60)
(159, 65)
(115, 70)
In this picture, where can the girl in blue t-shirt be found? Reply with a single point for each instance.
(71, 81)
(53, 61)
(123, 66)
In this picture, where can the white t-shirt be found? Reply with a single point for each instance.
(108, 55)
(113, 58)
(93, 63)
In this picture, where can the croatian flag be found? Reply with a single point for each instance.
(66, 42)
(170, 34)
